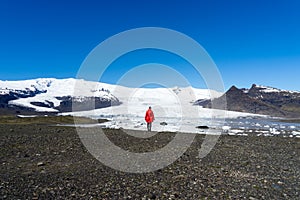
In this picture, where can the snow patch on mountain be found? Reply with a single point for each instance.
(268, 89)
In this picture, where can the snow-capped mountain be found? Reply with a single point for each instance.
(260, 100)
(55, 95)
(65, 95)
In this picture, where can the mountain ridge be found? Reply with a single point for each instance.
(259, 100)
(52, 95)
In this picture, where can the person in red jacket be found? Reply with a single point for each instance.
(149, 117)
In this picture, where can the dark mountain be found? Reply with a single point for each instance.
(5, 97)
(69, 103)
(258, 100)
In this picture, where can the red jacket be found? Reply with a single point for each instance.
(149, 117)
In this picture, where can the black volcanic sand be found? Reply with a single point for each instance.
(49, 162)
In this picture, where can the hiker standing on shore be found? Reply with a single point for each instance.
(149, 117)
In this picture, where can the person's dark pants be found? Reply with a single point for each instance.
(149, 125)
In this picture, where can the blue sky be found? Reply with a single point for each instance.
(250, 41)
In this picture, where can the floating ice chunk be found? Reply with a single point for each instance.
(24, 116)
(226, 128)
(295, 132)
(231, 133)
(236, 131)
(267, 134)
(274, 131)
(242, 134)
(264, 132)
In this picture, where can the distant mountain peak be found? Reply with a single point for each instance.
(233, 88)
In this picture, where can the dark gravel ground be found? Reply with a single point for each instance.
(47, 162)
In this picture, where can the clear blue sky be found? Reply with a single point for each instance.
(251, 41)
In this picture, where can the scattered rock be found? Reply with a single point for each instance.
(276, 187)
(26, 155)
(179, 177)
(252, 198)
(152, 196)
(163, 123)
(280, 183)
(61, 164)
(202, 127)
(40, 164)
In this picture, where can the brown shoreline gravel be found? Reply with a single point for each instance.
(48, 162)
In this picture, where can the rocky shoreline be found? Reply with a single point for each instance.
(50, 162)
